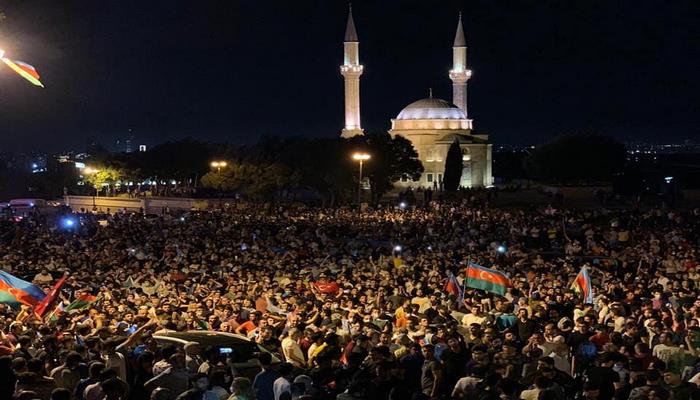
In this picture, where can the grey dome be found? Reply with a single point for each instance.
(431, 108)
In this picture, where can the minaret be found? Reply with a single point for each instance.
(351, 71)
(459, 72)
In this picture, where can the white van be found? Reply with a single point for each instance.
(23, 207)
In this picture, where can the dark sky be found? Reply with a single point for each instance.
(234, 70)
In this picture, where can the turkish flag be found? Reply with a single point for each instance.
(327, 287)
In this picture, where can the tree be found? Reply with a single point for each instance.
(321, 165)
(227, 180)
(104, 176)
(257, 181)
(269, 179)
(184, 160)
(575, 158)
(393, 158)
(453, 167)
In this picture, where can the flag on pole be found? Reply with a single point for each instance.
(128, 283)
(487, 279)
(49, 299)
(56, 313)
(82, 301)
(452, 285)
(14, 291)
(24, 70)
(582, 285)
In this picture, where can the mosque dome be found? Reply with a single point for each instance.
(431, 108)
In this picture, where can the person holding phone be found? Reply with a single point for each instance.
(212, 358)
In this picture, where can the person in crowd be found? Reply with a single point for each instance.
(175, 378)
(264, 382)
(282, 386)
(334, 304)
(242, 389)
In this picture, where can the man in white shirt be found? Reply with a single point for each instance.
(667, 352)
(291, 349)
(466, 384)
(475, 316)
(541, 384)
(43, 278)
(113, 359)
(283, 384)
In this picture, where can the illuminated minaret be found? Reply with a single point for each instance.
(351, 71)
(459, 72)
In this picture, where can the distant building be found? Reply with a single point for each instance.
(431, 124)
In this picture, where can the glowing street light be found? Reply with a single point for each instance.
(218, 165)
(361, 157)
(92, 171)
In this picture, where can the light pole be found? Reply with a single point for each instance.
(361, 157)
(218, 165)
(92, 171)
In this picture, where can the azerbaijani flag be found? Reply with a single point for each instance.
(452, 285)
(24, 70)
(582, 285)
(82, 301)
(15, 292)
(46, 303)
(56, 313)
(487, 279)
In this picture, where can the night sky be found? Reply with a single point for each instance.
(233, 71)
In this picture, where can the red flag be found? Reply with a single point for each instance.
(28, 69)
(327, 287)
(452, 286)
(41, 308)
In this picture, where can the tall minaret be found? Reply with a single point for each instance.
(459, 72)
(351, 71)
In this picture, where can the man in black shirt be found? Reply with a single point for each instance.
(454, 360)
(431, 373)
(653, 379)
(604, 377)
(526, 327)
(411, 365)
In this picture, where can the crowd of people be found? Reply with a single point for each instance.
(353, 305)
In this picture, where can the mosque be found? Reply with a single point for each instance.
(431, 124)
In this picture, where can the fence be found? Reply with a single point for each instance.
(149, 205)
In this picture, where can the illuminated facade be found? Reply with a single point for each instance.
(431, 124)
(351, 71)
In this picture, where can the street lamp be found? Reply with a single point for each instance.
(361, 157)
(218, 165)
(92, 171)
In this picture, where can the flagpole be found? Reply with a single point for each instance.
(49, 299)
(464, 282)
